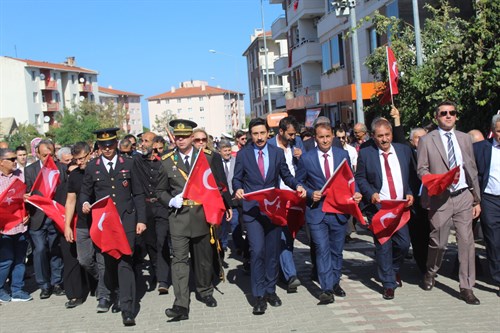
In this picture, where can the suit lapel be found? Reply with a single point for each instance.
(272, 162)
(436, 138)
(317, 164)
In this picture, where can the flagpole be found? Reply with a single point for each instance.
(389, 73)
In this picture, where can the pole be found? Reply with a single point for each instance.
(360, 117)
(389, 73)
(418, 41)
(270, 105)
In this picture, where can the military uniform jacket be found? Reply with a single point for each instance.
(122, 185)
(189, 220)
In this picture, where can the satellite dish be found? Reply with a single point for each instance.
(82, 98)
(81, 80)
(42, 76)
(46, 119)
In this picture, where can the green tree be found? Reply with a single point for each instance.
(26, 133)
(161, 122)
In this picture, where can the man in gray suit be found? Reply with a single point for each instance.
(438, 152)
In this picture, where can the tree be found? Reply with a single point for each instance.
(461, 63)
(25, 133)
(161, 122)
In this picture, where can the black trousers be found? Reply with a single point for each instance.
(74, 276)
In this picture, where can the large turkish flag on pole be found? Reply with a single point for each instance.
(392, 66)
(392, 216)
(202, 187)
(107, 231)
(12, 209)
(47, 179)
(339, 191)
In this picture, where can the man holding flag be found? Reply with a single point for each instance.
(327, 228)
(188, 217)
(383, 174)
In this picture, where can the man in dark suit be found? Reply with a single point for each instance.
(438, 152)
(188, 226)
(327, 229)
(117, 176)
(47, 257)
(382, 174)
(259, 166)
(487, 155)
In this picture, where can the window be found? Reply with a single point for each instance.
(91, 97)
(73, 79)
(37, 119)
(373, 38)
(297, 78)
(57, 97)
(179, 111)
(167, 101)
(200, 98)
(75, 99)
(189, 99)
(35, 97)
(337, 49)
(202, 109)
(33, 75)
(190, 109)
(179, 100)
(158, 101)
(325, 54)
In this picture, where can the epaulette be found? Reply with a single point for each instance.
(207, 151)
(164, 157)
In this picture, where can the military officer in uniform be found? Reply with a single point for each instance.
(116, 176)
(188, 226)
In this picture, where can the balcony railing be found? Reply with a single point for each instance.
(50, 107)
(281, 65)
(305, 10)
(48, 85)
(309, 50)
(85, 87)
(278, 28)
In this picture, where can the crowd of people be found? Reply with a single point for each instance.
(145, 177)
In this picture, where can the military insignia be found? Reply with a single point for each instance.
(97, 172)
(125, 183)
(174, 168)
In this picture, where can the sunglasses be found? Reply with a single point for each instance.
(200, 140)
(12, 159)
(445, 113)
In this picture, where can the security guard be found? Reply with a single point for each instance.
(188, 226)
(116, 176)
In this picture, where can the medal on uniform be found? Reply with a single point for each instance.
(125, 183)
(174, 168)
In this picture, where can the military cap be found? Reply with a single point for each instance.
(106, 136)
(182, 126)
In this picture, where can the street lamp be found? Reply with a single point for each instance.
(269, 102)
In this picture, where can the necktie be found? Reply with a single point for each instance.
(260, 162)
(186, 163)
(327, 167)
(110, 170)
(388, 173)
(226, 169)
(452, 161)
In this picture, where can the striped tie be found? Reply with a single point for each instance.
(452, 161)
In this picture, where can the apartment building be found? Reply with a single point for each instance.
(215, 109)
(257, 80)
(128, 103)
(34, 91)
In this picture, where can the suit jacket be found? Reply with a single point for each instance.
(482, 152)
(311, 144)
(122, 185)
(247, 176)
(432, 158)
(309, 174)
(369, 172)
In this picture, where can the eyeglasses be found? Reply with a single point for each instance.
(445, 113)
(77, 159)
(341, 137)
(200, 140)
(12, 159)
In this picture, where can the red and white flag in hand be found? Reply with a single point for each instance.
(438, 183)
(392, 216)
(47, 179)
(339, 191)
(54, 210)
(12, 209)
(107, 231)
(202, 187)
(296, 215)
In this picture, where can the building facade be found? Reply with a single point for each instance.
(128, 104)
(215, 109)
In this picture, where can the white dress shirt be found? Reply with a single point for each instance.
(462, 182)
(397, 178)
(493, 185)
(322, 161)
(106, 161)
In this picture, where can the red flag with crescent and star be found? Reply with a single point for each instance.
(54, 210)
(12, 210)
(391, 87)
(107, 231)
(47, 179)
(438, 183)
(392, 216)
(202, 187)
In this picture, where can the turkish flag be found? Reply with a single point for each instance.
(392, 216)
(12, 209)
(438, 183)
(47, 179)
(202, 187)
(296, 215)
(339, 190)
(54, 210)
(392, 73)
(107, 231)
(385, 96)
(295, 5)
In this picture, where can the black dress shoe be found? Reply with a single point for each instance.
(338, 291)
(260, 306)
(58, 290)
(128, 319)
(398, 280)
(293, 283)
(209, 301)
(326, 297)
(116, 307)
(177, 313)
(103, 306)
(45, 293)
(498, 292)
(73, 303)
(468, 296)
(273, 299)
(162, 289)
(388, 293)
(428, 282)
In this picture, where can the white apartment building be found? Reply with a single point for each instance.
(256, 67)
(215, 109)
(34, 91)
(130, 102)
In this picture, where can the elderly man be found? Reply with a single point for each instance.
(360, 135)
(64, 155)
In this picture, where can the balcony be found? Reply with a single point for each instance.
(279, 28)
(281, 66)
(50, 107)
(305, 10)
(331, 22)
(85, 87)
(309, 50)
(48, 85)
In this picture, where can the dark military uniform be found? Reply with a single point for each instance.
(124, 188)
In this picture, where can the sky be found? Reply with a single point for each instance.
(145, 46)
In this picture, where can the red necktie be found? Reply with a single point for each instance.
(388, 173)
(327, 167)
(260, 162)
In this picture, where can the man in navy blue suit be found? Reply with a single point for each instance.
(260, 166)
(487, 155)
(327, 229)
(382, 174)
